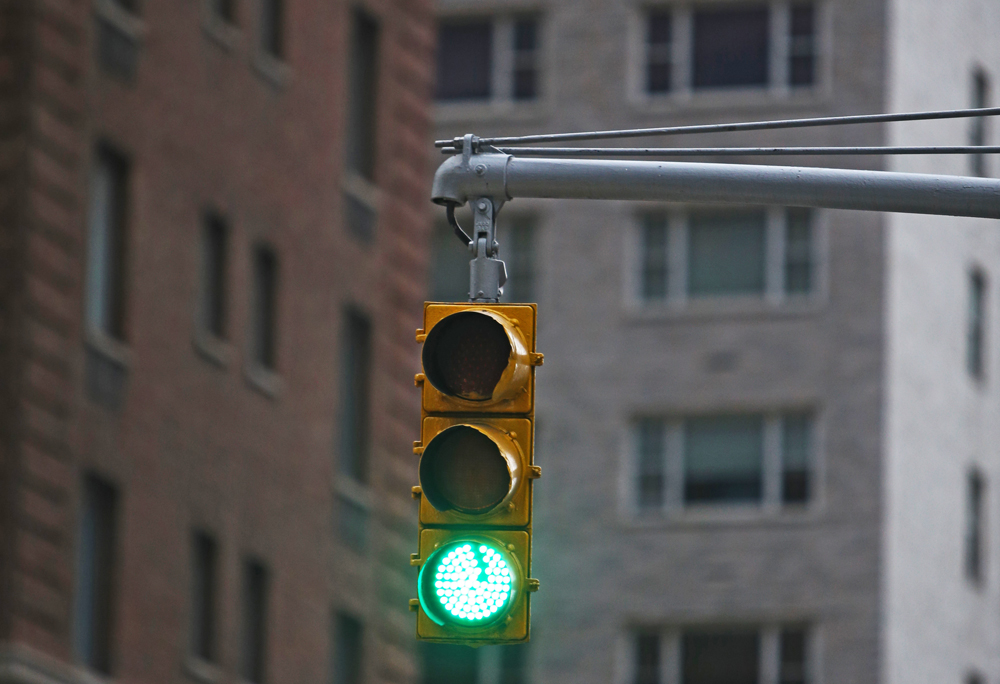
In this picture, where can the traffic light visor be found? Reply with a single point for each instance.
(470, 468)
(476, 355)
(471, 582)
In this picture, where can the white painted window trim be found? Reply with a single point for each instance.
(501, 103)
(682, 95)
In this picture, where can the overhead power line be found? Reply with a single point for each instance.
(732, 151)
(456, 143)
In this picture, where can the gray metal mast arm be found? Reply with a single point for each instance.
(503, 177)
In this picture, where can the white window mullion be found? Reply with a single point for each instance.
(674, 452)
(683, 28)
(677, 258)
(779, 47)
(774, 276)
(670, 657)
(503, 60)
(770, 656)
(771, 499)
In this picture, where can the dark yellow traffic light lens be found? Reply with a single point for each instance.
(468, 583)
(463, 469)
(466, 354)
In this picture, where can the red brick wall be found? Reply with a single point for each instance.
(194, 443)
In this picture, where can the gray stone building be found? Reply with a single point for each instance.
(769, 436)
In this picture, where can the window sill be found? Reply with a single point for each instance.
(201, 670)
(119, 17)
(264, 380)
(219, 31)
(724, 516)
(731, 100)
(215, 350)
(724, 307)
(501, 111)
(115, 350)
(272, 69)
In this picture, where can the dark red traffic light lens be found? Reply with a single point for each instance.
(466, 354)
(463, 469)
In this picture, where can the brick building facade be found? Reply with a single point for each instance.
(212, 227)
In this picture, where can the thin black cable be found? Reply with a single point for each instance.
(459, 233)
(728, 127)
(735, 151)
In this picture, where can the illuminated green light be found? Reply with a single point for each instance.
(468, 583)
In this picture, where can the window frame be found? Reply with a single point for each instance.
(682, 95)
(775, 297)
(504, 63)
(674, 508)
(214, 345)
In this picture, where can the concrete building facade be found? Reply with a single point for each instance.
(768, 437)
(212, 228)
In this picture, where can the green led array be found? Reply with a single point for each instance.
(472, 582)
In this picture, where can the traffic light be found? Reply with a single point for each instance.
(476, 471)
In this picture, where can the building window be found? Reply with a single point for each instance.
(352, 517)
(706, 254)
(647, 658)
(96, 574)
(974, 677)
(517, 238)
(710, 657)
(469, 50)
(348, 649)
(363, 95)
(214, 273)
(793, 656)
(272, 28)
(975, 344)
(264, 333)
(977, 130)
(253, 642)
(204, 574)
(448, 664)
(224, 10)
(355, 396)
(730, 47)
(106, 261)
(765, 459)
(974, 501)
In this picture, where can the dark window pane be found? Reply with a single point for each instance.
(117, 51)
(793, 656)
(726, 253)
(214, 272)
(651, 451)
(225, 10)
(353, 519)
(977, 131)
(362, 97)
(525, 59)
(254, 636)
(449, 266)
(517, 250)
(798, 251)
(730, 47)
(203, 583)
(128, 5)
(272, 27)
(974, 526)
(802, 45)
(448, 664)
(355, 395)
(723, 459)
(96, 574)
(349, 650)
(796, 450)
(514, 664)
(464, 60)
(647, 658)
(659, 61)
(360, 218)
(108, 237)
(977, 325)
(725, 657)
(654, 257)
(265, 303)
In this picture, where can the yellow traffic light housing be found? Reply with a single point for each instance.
(476, 471)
